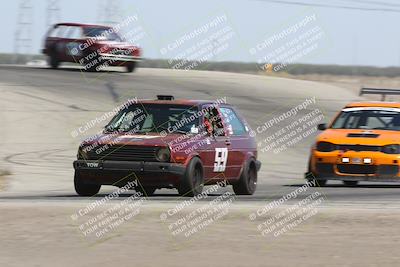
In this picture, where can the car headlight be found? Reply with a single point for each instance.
(325, 147)
(163, 154)
(391, 149)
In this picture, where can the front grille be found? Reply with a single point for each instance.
(324, 168)
(123, 52)
(356, 169)
(358, 148)
(124, 153)
(388, 170)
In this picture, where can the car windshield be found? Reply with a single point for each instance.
(382, 119)
(102, 33)
(145, 118)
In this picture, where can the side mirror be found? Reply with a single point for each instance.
(322, 126)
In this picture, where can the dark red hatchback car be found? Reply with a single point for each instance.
(93, 46)
(167, 143)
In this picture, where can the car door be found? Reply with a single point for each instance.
(215, 156)
(55, 41)
(73, 41)
(62, 31)
(239, 140)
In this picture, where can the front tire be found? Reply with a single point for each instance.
(319, 183)
(131, 66)
(192, 182)
(350, 183)
(247, 183)
(313, 178)
(84, 189)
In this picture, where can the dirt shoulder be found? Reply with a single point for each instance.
(43, 234)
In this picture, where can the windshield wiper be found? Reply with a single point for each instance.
(109, 129)
(176, 131)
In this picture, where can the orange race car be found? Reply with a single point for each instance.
(362, 143)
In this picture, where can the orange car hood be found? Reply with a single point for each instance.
(359, 136)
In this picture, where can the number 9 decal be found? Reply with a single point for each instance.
(221, 155)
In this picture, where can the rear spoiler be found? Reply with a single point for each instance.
(379, 91)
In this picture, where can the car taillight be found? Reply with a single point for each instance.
(325, 147)
(391, 149)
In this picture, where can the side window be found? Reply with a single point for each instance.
(232, 122)
(74, 32)
(213, 122)
(54, 32)
(148, 123)
(59, 32)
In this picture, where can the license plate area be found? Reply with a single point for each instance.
(92, 165)
(355, 160)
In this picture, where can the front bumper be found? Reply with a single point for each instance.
(119, 58)
(133, 166)
(357, 178)
(355, 166)
(118, 173)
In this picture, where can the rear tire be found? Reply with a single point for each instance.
(192, 182)
(53, 61)
(85, 189)
(247, 183)
(350, 183)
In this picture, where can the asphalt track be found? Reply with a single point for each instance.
(40, 107)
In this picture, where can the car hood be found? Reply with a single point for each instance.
(359, 136)
(170, 140)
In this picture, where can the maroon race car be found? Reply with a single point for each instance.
(167, 143)
(93, 46)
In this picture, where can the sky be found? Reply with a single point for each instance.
(345, 36)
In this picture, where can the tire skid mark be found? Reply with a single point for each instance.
(13, 158)
(53, 101)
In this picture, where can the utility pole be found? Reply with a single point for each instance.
(23, 31)
(53, 12)
(109, 12)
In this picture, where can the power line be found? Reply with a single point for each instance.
(109, 12)
(331, 6)
(373, 2)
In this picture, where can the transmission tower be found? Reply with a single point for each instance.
(23, 31)
(53, 12)
(109, 12)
